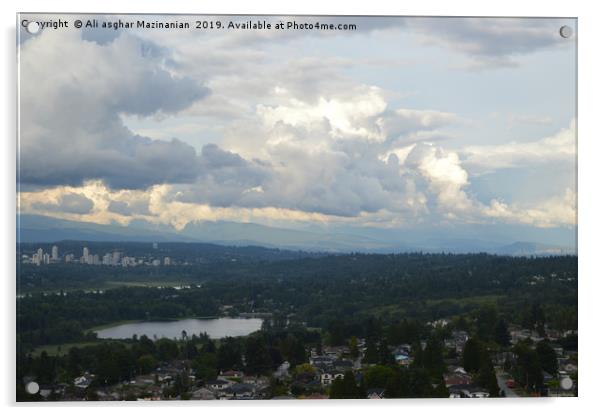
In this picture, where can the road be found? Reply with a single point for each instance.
(501, 381)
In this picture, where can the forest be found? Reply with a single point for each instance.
(312, 291)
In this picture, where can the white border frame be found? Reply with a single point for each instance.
(588, 191)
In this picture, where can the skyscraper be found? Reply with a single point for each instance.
(86, 255)
(55, 253)
(116, 258)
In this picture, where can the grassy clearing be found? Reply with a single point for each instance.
(60, 349)
(149, 284)
(478, 300)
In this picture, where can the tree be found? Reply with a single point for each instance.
(353, 349)
(167, 349)
(189, 350)
(346, 388)
(304, 368)
(418, 355)
(501, 334)
(547, 357)
(378, 376)
(257, 356)
(471, 355)
(384, 354)
(528, 367)
(487, 317)
(146, 363)
(371, 355)
(205, 366)
(229, 354)
(486, 377)
(441, 390)
(433, 357)
(420, 385)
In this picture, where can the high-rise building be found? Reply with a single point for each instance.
(40, 254)
(86, 254)
(167, 261)
(55, 253)
(116, 257)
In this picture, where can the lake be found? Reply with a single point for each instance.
(216, 328)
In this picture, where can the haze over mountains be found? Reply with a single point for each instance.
(467, 239)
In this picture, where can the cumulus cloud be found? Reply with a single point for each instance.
(445, 176)
(559, 210)
(560, 147)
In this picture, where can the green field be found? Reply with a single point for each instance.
(60, 349)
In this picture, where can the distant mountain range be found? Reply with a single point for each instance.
(35, 228)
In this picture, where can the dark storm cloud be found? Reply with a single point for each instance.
(224, 178)
(491, 40)
(71, 127)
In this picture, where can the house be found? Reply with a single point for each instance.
(476, 392)
(343, 364)
(235, 374)
(282, 371)
(457, 340)
(455, 394)
(438, 323)
(558, 349)
(83, 381)
(457, 370)
(467, 391)
(328, 377)
(238, 391)
(403, 359)
(321, 360)
(202, 394)
(375, 393)
(336, 352)
(218, 384)
(455, 379)
(402, 348)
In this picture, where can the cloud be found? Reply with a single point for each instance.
(68, 203)
(445, 176)
(292, 138)
(556, 211)
(560, 147)
(129, 208)
(70, 107)
(491, 42)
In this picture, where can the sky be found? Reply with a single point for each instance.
(402, 123)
